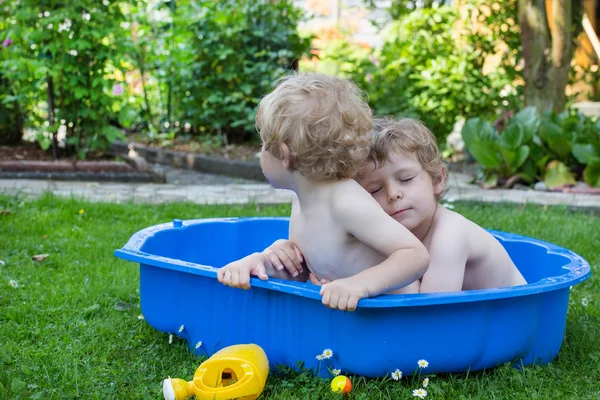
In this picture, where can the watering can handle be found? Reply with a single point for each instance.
(244, 387)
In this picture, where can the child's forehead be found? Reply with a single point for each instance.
(397, 161)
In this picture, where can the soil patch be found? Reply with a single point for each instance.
(238, 152)
(31, 151)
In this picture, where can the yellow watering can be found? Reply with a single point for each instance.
(238, 371)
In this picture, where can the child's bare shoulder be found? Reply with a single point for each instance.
(454, 229)
(347, 193)
(448, 225)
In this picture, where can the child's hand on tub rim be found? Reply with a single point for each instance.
(237, 274)
(344, 294)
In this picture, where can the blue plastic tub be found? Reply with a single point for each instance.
(452, 331)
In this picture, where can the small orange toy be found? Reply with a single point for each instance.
(341, 384)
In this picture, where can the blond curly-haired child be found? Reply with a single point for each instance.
(314, 132)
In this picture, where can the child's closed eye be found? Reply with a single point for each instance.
(406, 179)
(373, 191)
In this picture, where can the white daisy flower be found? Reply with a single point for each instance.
(450, 200)
(181, 328)
(320, 357)
(198, 344)
(336, 372)
(425, 382)
(420, 393)
(170, 338)
(397, 375)
(327, 353)
(141, 317)
(2, 262)
(423, 363)
(13, 283)
(585, 302)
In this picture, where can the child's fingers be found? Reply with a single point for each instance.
(273, 259)
(227, 276)
(326, 295)
(334, 300)
(288, 263)
(220, 274)
(322, 291)
(314, 280)
(244, 280)
(235, 279)
(298, 253)
(342, 303)
(261, 272)
(352, 303)
(291, 254)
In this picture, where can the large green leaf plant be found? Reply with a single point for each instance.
(554, 148)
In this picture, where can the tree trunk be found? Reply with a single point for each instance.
(536, 43)
(562, 51)
(51, 118)
(547, 57)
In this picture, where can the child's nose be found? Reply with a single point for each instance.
(394, 195)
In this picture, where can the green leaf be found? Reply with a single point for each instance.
(80, 92)
(490, 181)
(530, 120)
(485, 153)
(529, 170)
(584, 153)
(476, 130)
(522, 155)
(554, 137)
(512, 137)
(558, 175)
(591, 174)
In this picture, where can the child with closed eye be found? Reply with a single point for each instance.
(404, 173)
(314, 130)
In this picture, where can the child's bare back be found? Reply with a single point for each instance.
(327, 231)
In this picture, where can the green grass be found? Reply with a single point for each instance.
(71, 329)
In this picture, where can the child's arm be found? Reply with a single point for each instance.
(363, 218)
(448, 256)
(237, 274)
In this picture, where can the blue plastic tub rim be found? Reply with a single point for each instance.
(576, 270)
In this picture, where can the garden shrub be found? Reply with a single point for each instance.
(237, 49)
(427, 69)
(90, 68)
(554, 148)
(64, 57)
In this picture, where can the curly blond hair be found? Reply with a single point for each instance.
(322, 119)
(406, 135)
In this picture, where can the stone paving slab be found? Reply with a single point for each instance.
(459, 188)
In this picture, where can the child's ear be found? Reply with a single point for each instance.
(439, 186)
(287, 158)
